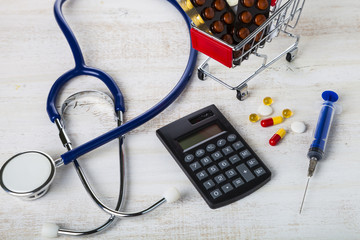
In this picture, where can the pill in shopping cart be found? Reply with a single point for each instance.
(246, 17)
(267, 101)
(260, 19)
(232, 3)
(190, 10)
(287, 113)
(263, 4)
(265, 110)
(250, 15)
(254, 118)
(298, 127)
(271, 121)
(218, 17)
(277, 137)
(248, 3)
(228, 38)
(199, 2)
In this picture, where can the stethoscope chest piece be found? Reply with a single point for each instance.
(28, 174)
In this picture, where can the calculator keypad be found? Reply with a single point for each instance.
(213, 155)
(224, 166)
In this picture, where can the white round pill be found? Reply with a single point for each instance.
(298, 127)
(265, 110)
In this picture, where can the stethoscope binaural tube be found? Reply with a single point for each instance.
(53, 230)
(82, 69)
(130, 125)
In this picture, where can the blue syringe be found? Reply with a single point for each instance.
(317, 147)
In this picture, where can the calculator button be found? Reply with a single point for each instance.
(231, 173)
(260, 171)
(195, 166)
(216, 155)
(224, 164)
(220, 178)
(209, 184)
(231, 137)
(244, 154)
(227, 150)
(227, 188)
(213, 169)
(245, 172)
(221, 142)
(200, 153)
(252, 162)
(234, 159)
(216, 193)
(238, 182)
(210, 147)
(201, 175)
(238, 145)
(189, 158)
(205, 161)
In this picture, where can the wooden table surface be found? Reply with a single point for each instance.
(144, 45)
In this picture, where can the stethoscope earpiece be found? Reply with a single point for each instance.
(50, 230)
(171, 195)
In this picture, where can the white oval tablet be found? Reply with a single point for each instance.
(27, 172)
(298, 127)
(265, 110)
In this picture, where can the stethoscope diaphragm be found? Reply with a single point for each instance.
(28, 174)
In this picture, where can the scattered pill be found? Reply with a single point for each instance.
(271, 121)
(298, 127)
(277, 137)
(268, 101)
(287, 113)
(254, 117)
(265, 110)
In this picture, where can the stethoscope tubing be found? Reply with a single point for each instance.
(136, 122)
(81, 69)
(72, 154)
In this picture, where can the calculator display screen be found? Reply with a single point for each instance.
(200, 136)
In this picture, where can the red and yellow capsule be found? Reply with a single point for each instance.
(271, 121)
(277, 137)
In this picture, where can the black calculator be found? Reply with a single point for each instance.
(213, 155)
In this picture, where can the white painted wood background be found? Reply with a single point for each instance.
(144, 45)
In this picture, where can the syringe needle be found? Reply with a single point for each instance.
(302, 203)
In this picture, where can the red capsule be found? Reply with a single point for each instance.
(271, 121)
(277, 137)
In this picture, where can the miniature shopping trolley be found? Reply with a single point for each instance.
(281, 21)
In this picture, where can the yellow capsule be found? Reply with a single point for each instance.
(189, 4)
(268, 101)
(277, 137)
(199, 18)
(254, 117)
(281, 132)
(271, 121)
(287, 113)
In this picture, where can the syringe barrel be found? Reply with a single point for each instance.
(321, 134)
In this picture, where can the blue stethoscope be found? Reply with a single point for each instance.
(29, 174)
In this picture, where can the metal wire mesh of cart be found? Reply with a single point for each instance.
(281, 20)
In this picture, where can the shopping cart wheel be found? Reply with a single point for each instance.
(290, 56)
(201, 75)
(242, 92)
